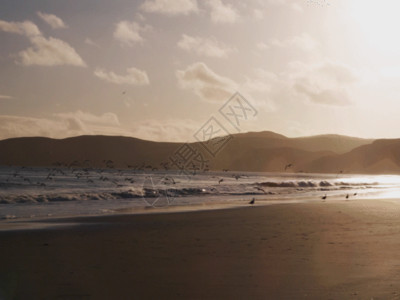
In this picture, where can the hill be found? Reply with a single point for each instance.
(252, 151)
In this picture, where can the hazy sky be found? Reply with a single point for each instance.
(159, 69)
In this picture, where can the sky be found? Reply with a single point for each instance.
(160, 69)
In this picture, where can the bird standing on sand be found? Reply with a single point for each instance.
(324, 197)
(219, 181)
(252, 201)
(347, 196)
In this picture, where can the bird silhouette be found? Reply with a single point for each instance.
(260, 189)
(219, 181)
(252, 201)
(347, 196)
(236, 177)
(324, 197)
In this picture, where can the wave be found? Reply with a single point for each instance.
(313, 184)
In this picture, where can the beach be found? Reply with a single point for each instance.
(319, 250)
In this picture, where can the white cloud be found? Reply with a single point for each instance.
(26, 28)
(49, 52)
(325, 83)
(205, 83)
(129, 33)
(133, 77)
(287, 4)
(69, 124)
(303, 42)
(44, 52)
(265, 6)
(54, 21)
(106, 119)
(170, 130)
(263, 46)
(262, 82)
(222, 13)
(90, 42)
(258, 14)
(61, 125)
(170, 7)
(204, 46)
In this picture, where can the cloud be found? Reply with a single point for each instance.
(262, 46)
(170, 130)
(204, 46)
(324, 96)
(49, 52)
(106, 119)
(26, 28)
(170, 7)
(90, 42)
(303, 42)
(258, 14)
(133, 77)
(287, 4)
(205, 83)
(263, 81)
(222, 13)
(76, 123)
(61, 125)
(54, 21)
(44, 51)
(324, 83)
(129, 33)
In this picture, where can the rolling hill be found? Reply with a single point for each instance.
(253, 151)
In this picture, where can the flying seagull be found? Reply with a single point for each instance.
(260, 189)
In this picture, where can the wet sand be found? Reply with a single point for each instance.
(324, 250)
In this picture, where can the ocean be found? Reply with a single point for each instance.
(37, 193)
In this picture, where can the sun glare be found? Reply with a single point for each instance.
(378, 22)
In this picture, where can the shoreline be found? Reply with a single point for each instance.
(319, 250)
(42, 222)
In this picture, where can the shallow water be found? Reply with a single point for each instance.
(45, 192)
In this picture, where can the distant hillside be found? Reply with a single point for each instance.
(330, 142)
(252, 151)
(382, 156)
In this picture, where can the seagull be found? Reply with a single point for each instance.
(252, 201)
(236, 177)
(260, 189)
(340, 172)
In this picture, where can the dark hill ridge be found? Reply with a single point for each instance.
(252, 151)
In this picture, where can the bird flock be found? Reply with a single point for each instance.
(84, 172)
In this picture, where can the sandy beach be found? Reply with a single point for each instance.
(324, 250)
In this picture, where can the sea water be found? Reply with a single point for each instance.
(56, 192)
